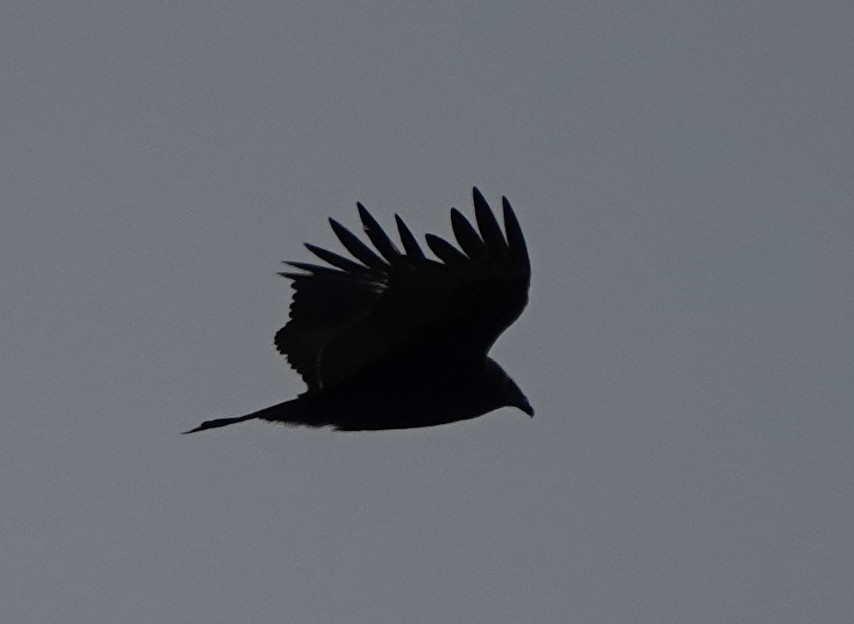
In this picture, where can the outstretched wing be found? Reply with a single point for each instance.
(397, 304)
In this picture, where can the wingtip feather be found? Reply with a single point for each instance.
(515, 238)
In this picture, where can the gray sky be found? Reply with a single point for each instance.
(683, 172)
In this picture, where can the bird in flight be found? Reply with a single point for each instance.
(392, 339)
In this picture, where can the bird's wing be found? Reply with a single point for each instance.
(390, 303)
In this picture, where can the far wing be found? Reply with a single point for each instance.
(387, 303)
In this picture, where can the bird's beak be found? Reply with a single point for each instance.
(526, 407)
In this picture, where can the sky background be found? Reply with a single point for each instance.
(683, 172)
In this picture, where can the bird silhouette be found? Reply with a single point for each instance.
(392, 339)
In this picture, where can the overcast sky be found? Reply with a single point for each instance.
(683, 172)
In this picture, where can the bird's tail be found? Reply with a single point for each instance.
(220, 422)
(278, 412)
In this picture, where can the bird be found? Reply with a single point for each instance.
(390, 338)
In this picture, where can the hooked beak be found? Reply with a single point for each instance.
(526, 407)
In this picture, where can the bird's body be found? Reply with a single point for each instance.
(400, 341)
(402, 402)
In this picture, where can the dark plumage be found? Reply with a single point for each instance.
(392, 339)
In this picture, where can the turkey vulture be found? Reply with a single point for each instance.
(394, 339)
